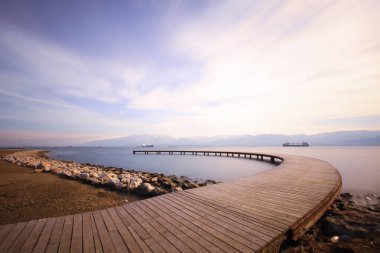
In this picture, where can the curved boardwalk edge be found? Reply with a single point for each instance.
(250, 214)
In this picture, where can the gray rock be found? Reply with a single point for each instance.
(124, 180)
(39, 166)
(176, 189)
(95, 181)
(119, 186)
(347, 195)
(145, 189)
(84, 176)
(67, 173)
(133, 185)
(94, 175)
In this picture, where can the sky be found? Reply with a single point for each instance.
(74, 71)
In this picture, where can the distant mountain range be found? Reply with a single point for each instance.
(342, 138)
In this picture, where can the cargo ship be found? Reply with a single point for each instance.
(301, 144)
(147, 146)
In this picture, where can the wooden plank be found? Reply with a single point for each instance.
(88, 237)
(11, 237)
(275, 213)
(142, 233)
(176, 221)
(5, 230)
(170, 227)
(257, 230)
(131, 243)
(235, 240)
(151, 230)
(202, 230)
(65, 241)
(116, 238)
(144, 247)
(33, 237)
(105, 239)
(254, 221)
(45, 236)
(76, 239)
(274, 220)
(97, 242)
(19, 243)
(161, 228)
(56, 234)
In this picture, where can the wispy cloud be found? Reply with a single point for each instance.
(217, 68)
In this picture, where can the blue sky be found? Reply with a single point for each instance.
(72, 71)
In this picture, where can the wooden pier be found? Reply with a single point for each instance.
(262, 157)
(251, 214)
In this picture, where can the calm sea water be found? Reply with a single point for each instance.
(359, 166)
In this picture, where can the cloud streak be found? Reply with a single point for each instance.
(219, 68)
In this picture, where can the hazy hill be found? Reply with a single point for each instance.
(349, 138)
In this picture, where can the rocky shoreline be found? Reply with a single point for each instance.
(131, 181)
(352, 224)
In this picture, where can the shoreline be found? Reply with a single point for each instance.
(120, 179)
(25, 195)
(33, 186)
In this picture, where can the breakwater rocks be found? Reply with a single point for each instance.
(352, 224)
(142, 183)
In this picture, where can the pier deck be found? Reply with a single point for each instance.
(251, 214)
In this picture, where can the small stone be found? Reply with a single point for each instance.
(347, 195)
(38, 170)
(124, 180)
(133, 185)
(67, 173)
(177, 189)
(94, 174)
(95, 181)
(118, 186)
(84, 176)
(344, 238)
(334, 239)
(341, 206)
(56, 170)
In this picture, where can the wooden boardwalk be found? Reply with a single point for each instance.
(251, 214)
